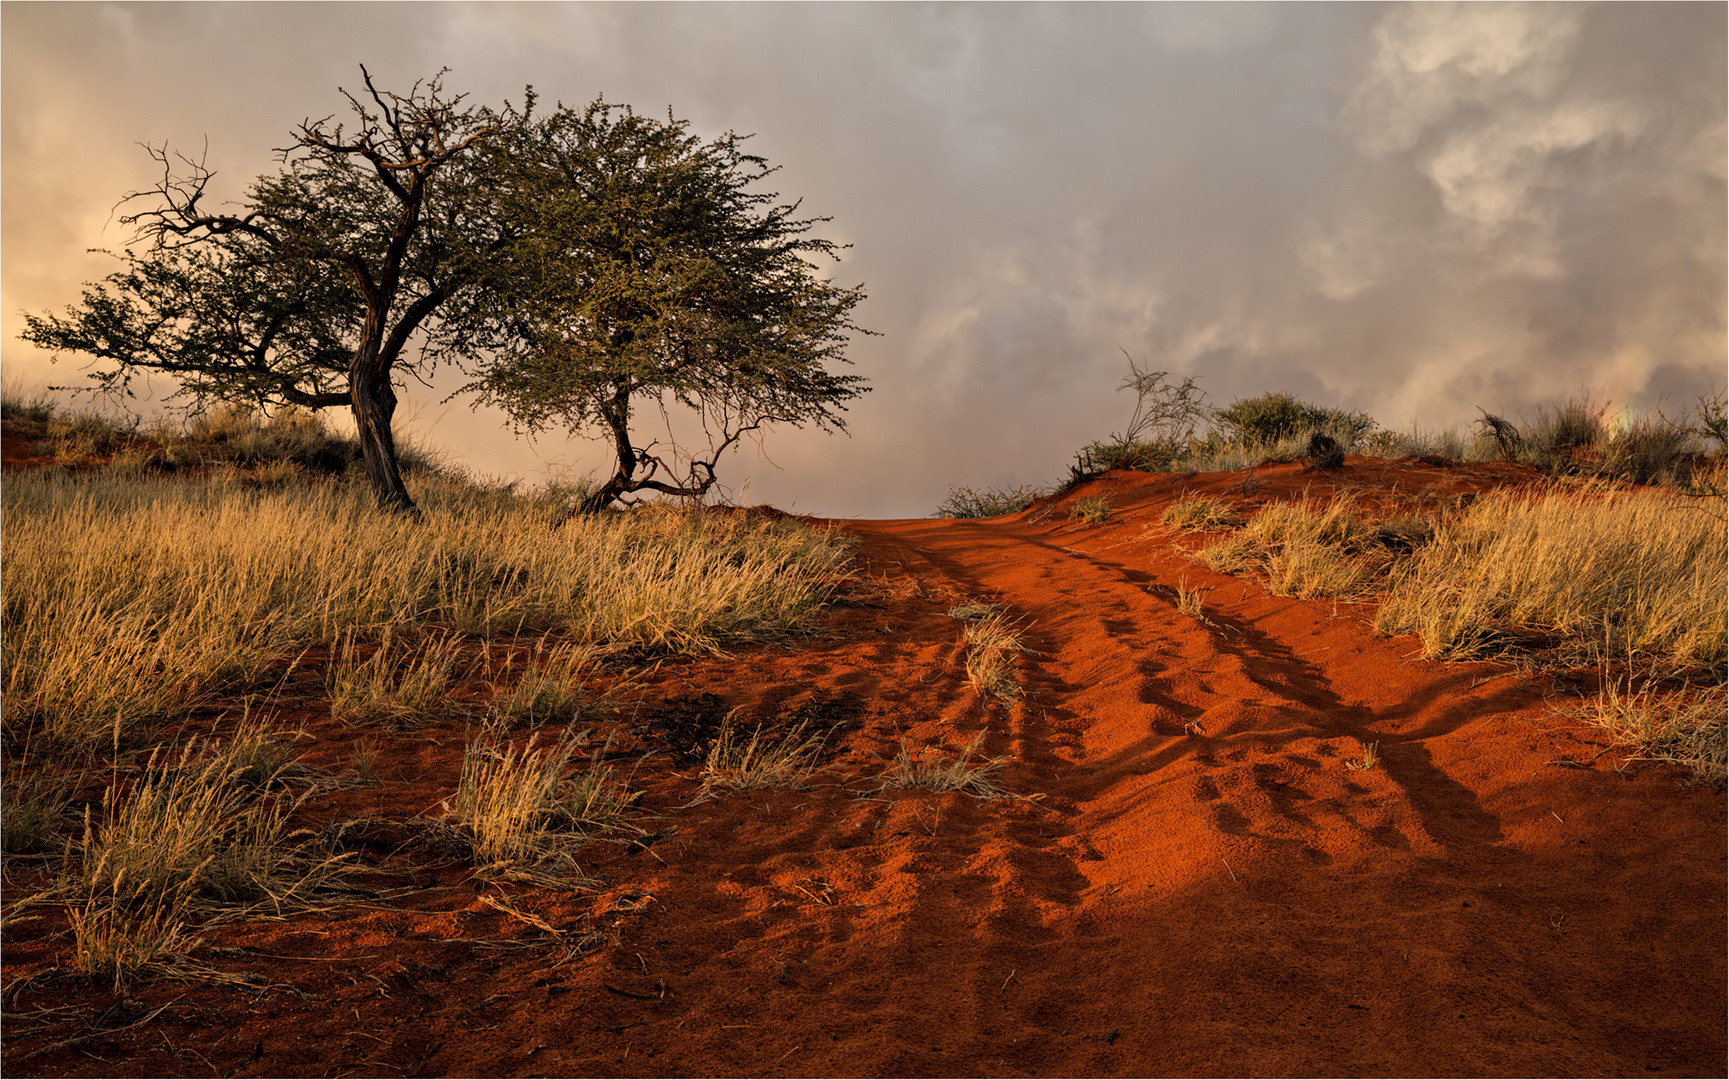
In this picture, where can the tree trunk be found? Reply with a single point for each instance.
(374, 405)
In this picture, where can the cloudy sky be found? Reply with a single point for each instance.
(1413, 210)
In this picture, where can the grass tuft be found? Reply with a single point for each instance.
(1093, 510)
(990, 641)
(739, 763)
(930, 769)
(1199, 513)
(1688, 728)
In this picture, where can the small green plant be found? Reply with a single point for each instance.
(1199, 513)
(930, 769)
(1371, 756)
(965, 502)
(1189, 601)
(1093, 510)
(738, 762)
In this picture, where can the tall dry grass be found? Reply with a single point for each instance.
(1638, 575)
(130, 599)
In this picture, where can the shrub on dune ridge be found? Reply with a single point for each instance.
(965, 502)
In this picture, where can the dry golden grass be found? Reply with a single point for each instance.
(116, 943)
(1304, 549)
(522, 814)
(399, 683)
(1686, 728)
(130, 600)
(930, 769)
(190, 827)
(552, 687)
(991, 640)
(1637, 575)
(1199, 513)
(737, 762)
(1092, 510)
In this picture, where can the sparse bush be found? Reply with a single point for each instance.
(15, 404)
(1097, 458)
(1649, 451)
(965, 502)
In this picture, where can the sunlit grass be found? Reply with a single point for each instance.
(129, 600)
(1638, 575)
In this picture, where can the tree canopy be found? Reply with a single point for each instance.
(579, 267)
(646, 269)
(311, 292)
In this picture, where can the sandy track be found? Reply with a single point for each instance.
(1202, 885)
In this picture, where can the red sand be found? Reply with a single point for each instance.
(1202, 887)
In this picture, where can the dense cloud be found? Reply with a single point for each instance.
(1413, 209)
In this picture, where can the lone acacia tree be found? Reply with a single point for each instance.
(309, 294)
(643, 270)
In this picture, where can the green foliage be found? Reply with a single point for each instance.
(1276, 416)
(1714, 418)
(646, 270)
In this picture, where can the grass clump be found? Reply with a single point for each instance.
(190, 832)
(519, 811)
(33, 809)
(990, 639)
(965, 502)
(930, 769)
(551, 689)
(1093, 510)
(400, 681)
(118, 943)
(1199, 513)
(1688, 729)
(1636, 574)
(1304, 549)
(737, 762)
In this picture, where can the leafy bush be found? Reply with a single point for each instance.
(1276, 416)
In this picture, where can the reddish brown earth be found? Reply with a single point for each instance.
(1193, 883)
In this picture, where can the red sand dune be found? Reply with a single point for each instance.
(1202, 886)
